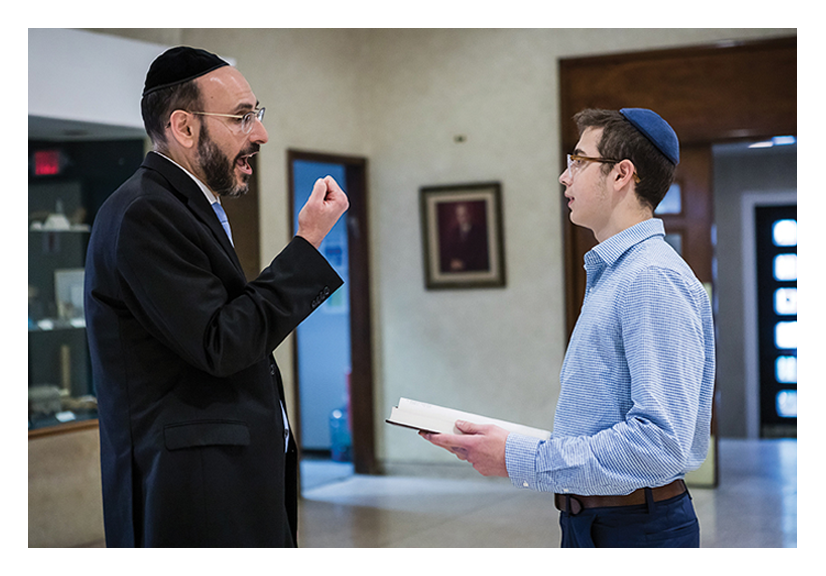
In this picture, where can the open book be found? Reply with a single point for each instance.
(432, 418)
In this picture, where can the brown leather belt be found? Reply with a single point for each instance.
(579, 503)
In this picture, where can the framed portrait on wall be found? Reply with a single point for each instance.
(462, 236)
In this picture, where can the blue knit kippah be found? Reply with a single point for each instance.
(656, 130)
(178, 65)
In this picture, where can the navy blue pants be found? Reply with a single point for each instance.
(670, 523)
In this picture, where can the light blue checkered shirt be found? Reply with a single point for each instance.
(637, 381)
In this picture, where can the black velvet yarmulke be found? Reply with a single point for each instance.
(178, 65)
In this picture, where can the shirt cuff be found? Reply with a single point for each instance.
(520, 460)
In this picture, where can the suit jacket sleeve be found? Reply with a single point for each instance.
(188, 292)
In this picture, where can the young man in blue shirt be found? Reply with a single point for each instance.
(634, 410)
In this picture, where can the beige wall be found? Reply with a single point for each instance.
(399, 97)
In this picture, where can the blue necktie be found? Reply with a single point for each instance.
(222, 216)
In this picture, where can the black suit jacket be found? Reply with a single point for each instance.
(191, 428)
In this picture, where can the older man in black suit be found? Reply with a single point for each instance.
(195, 443)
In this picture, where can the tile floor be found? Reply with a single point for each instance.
(755, 506)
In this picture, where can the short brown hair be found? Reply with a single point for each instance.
(621, 140)
(158, 106)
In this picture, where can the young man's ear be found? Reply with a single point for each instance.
(625, 172)
(182, 128)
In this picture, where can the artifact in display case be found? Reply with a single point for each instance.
(57, 221)
(50, 405)
(68, 286)
(44, 400)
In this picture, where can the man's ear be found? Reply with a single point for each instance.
(624, 173)
(183, 129)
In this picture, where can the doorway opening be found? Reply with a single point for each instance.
(776, 252)
(753, 178)
(333, 352)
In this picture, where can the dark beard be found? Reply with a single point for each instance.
(218, 170)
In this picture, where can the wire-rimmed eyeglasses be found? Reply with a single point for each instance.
(246, 120)
(577, 161)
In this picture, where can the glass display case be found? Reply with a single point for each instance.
(68, 181)
(60, 387)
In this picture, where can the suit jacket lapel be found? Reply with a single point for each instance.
(194, 199)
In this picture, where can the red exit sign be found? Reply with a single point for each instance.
(46, 162)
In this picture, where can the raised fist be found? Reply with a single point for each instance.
(325, 206)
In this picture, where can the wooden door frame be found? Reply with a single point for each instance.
(358, 238)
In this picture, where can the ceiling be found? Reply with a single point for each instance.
(776, 145)
(59, 130)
